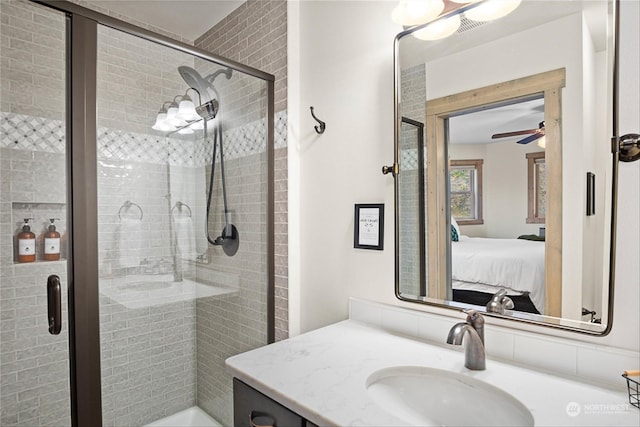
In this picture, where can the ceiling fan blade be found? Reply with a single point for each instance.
(515, 133)
(531, 138)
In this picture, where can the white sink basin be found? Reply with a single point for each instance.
(433, 397)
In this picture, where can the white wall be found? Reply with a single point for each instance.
(346, 73)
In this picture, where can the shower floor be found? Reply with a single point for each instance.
(191, 417)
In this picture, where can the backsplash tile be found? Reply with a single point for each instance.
(546, 354)
(400, 322)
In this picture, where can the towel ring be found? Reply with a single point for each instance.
(180, 205)
(126, 205)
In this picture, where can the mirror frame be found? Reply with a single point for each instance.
(443, 249)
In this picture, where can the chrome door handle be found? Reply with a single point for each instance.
(54, 304)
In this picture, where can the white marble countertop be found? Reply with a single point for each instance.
(321, 375)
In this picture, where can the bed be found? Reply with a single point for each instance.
(482, 266)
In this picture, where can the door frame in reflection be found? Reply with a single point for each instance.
(549, 84)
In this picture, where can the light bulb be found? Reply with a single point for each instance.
(186, 110)
(172, 116)
(416, 12)
(439, 29)
(161, 123)
(492, 9)
(542, 142)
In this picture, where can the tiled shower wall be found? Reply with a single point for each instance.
(256, 34)
(253, 34)
(34, 366)
(147, 372)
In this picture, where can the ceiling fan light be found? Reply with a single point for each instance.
(439, 29)
(492, 9)
(415, 12)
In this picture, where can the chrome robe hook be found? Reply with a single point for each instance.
(319, 129)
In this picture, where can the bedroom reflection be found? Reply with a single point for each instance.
(495, 243)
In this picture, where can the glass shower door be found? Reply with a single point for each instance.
(34, 354)
(174, 303)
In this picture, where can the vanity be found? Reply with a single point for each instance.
(332, 376)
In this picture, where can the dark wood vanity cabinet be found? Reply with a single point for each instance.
(252, 408)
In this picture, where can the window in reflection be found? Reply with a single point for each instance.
(537, 188)
(465, 181)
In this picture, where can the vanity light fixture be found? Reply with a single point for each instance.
(409, 13)
(439, 29)
(415, 12)
(184, 118)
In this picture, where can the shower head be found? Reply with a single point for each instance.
(201, 84)
(194, 79)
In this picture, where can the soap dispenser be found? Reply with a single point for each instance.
(26, 243)
(52, 242)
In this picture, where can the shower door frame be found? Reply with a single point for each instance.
(82, 196)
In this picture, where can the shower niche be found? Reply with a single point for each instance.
(39, 215)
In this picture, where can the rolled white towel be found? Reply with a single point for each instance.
(185, 238)
(129, 242)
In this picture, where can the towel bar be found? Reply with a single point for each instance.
(180, 205)
(126, 205)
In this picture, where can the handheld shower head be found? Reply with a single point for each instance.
(208, 110)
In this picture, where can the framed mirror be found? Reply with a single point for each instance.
(504, 175)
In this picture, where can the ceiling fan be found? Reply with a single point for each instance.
(534, 134)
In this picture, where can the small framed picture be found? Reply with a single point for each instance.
(369, 226)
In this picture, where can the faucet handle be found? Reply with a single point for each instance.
(500, 302)
(474, 318)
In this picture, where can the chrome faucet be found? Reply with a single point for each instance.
(500, 302)
(474, 357)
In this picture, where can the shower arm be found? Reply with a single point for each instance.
(211, 77)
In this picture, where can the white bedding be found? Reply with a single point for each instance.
(514, 264)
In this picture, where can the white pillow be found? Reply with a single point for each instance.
(455, 225)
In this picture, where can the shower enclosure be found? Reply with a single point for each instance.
(90, 136)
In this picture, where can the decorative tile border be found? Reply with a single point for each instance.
(409, 159)
(30, 133)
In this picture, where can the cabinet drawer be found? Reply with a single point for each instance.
(248, 403)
